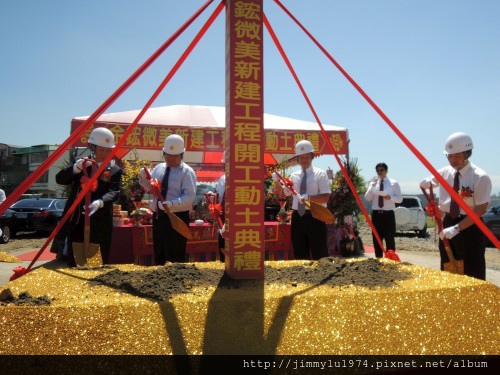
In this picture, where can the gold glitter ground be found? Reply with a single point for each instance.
(415, 311)
(9, 258)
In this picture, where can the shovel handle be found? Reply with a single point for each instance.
(294, 192)
(437, 216)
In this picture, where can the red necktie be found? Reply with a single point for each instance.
(381, 198)
(303, 190)
(454, 208)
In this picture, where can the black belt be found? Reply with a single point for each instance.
(382, 211)
(458, 217)
(305, 213)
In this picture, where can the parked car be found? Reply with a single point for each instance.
(6, 221)
(492, 221)
(410, 216)
(37, 214)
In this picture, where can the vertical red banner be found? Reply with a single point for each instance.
(244, 147)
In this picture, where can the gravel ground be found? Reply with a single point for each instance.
(24, 240)
(404, 242)
(411, 243)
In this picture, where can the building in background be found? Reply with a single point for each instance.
(17, 162)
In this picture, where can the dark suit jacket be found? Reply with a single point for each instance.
(101, 222)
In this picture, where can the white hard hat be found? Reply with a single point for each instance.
(174, 145)
(102, 137)
(303, 147)
(458, 142)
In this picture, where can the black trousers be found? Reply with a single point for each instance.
(101, 230)
(168, 244)
(469, 245)
(222, 245)
(308, 235)
(385, 224)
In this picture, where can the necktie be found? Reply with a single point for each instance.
(454, 208)
(381, 198)
(303, 190)
(164, 184)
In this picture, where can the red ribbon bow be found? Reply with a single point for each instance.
(433, 210)
(155, 187)
(84, 181)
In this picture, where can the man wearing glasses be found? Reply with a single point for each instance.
(384, 193)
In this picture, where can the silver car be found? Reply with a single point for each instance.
(492, 221)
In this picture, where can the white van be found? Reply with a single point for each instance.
(410, 216)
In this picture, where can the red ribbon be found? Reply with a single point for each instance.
(84, 181)
(155, 187)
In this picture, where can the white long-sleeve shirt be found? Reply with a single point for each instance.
(181, 186)
(391, 188)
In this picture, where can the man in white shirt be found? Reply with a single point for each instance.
(384, 193)
(473, 185)
(308, 234)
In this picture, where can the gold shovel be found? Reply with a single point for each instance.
(454, 265)
(318, 211)
(87, 254)
(177, 224)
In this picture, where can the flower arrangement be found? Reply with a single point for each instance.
(136, 192)
(342, 202)
(132, 192)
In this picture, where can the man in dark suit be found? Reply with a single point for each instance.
(104, 193)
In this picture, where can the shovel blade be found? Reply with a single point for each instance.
(87, 256)
(456, 266)
(321, 213)
(179, 225)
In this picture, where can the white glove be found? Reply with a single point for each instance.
(78, 166)
(222, 230)
(382, 193)
(275, 177)
(303, 197)
(286, 190)
(426, 183)
(95, 205)
(449, 232)
(164, 203)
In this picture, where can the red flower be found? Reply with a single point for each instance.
(465, 192)
(106, 176)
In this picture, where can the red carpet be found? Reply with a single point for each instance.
(46, 255)
(369, 249)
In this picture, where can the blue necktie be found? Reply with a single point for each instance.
(164, 184)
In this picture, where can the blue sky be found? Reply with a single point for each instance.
(432, 66)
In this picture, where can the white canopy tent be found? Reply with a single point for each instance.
(203, 129)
